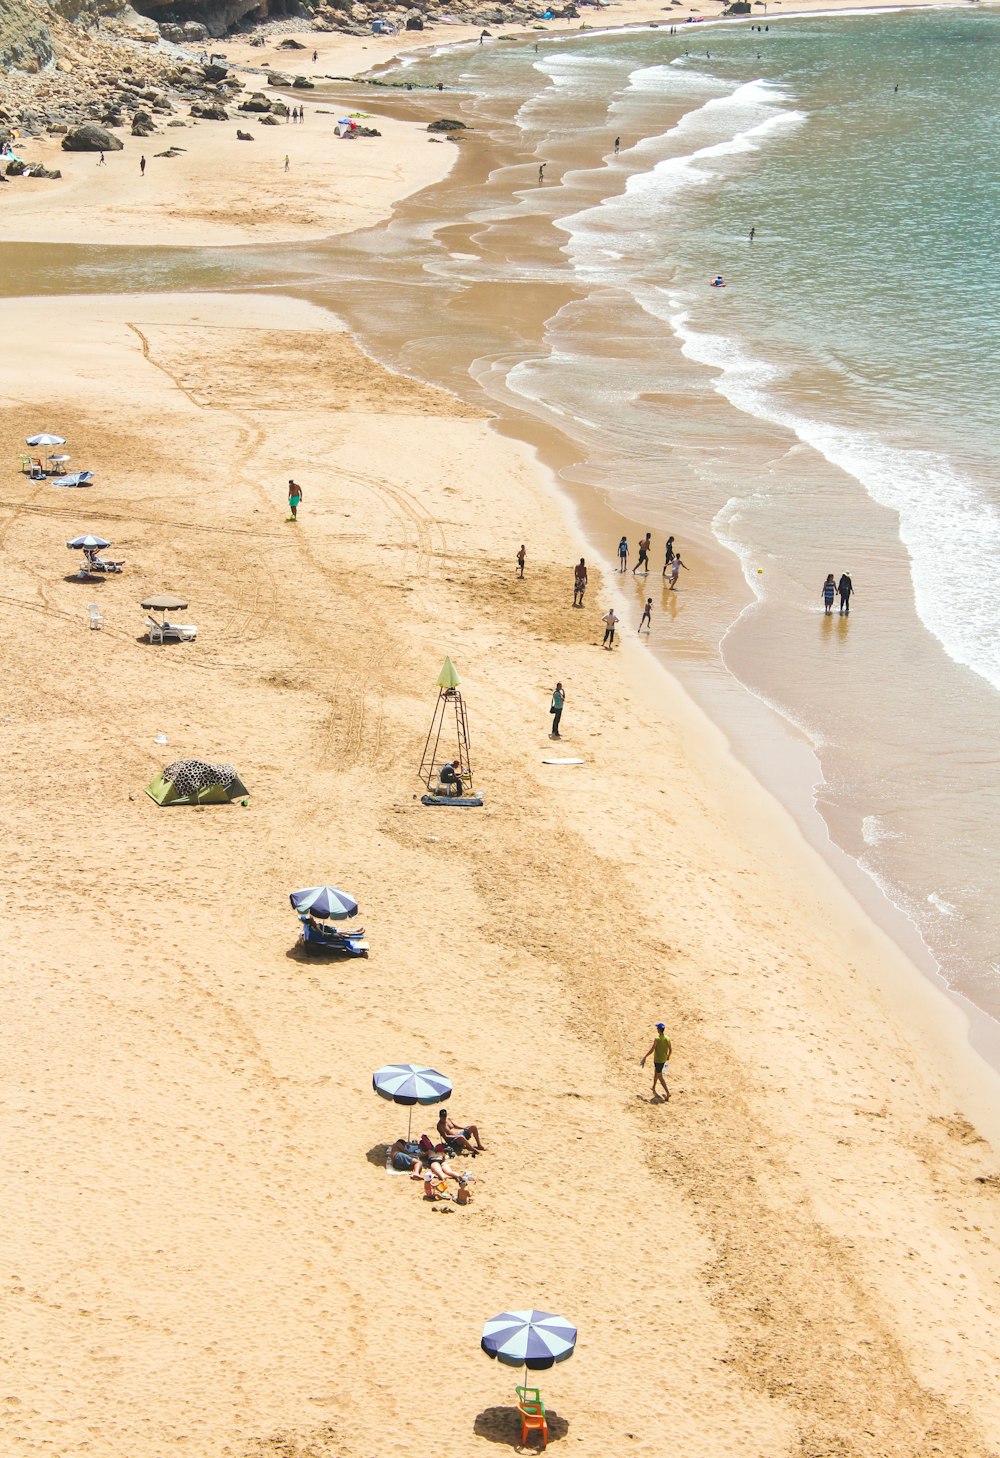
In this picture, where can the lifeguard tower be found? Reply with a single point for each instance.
(448, 740)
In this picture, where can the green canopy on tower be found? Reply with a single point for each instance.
(448, 678)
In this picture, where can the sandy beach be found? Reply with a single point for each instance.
(798, 1254)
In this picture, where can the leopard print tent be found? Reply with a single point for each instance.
(196, 782)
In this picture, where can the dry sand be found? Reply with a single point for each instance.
(798, 1255)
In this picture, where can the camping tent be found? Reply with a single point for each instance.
(193, 782)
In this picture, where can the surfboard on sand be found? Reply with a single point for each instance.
(562, 761)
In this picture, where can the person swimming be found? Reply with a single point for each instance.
(718, 282)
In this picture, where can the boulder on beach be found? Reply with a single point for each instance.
(213, 72)
(302, 83)
(91, 138)
(269, 121)
(243, 136)
(256, 102)
(278, 78)
(446, 124)
(290, 45)
(210, 111)
(142, 124)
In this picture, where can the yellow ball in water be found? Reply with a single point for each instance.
(759, 570)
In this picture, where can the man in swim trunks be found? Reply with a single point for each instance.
(660, 1050)
(520, 561)
(845, 587)
(647, 616)
(294, 497)
(643, 561)
(610, 621)
(668, 555)
(457, 1136)
(579, 582)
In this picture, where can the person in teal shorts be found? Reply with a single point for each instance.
(294, 497)
(659, 1050)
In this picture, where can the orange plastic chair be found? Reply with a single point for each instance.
(533, 1421)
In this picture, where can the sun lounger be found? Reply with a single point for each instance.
(178, 632)
(318, 937)
(103, 564)
(96, 616)
(184, 631)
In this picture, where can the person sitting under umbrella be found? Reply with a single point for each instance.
(458, 1136)
(450, 777)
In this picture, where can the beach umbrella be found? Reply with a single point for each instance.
(76, 478)
(409, 1084)
(88, 543)
(163, 602)
(45, 440)
(531, 1339)
(324, 902)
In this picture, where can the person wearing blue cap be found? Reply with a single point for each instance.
(659, 1050)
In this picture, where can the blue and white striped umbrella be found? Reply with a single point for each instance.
(532, 1339)
(411, 1083)
(325, 902)
(45, 439)
(88, 541)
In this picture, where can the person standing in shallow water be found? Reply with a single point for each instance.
(623, 554)
(829, 593)
(618, 145)
(556, 709)
(845, 587)
(668, 554)
(647, 616)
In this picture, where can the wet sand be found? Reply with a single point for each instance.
(797, 1254)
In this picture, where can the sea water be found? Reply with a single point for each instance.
(835, 407)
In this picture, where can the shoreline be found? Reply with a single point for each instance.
(210, 1255)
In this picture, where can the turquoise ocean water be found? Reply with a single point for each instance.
(836, 406)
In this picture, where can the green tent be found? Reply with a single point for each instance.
(195, 782)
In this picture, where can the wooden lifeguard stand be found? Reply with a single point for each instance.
(448, 740)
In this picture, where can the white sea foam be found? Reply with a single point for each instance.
(942, 516)
(876, 832)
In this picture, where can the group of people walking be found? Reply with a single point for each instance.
(672, 563)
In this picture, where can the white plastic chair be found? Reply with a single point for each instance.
(96, 616)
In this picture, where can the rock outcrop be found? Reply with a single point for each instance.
(91, 138)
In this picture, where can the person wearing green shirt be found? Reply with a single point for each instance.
(659, 1050)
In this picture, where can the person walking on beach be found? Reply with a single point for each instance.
(647, 615)
(668, 555)
(541, 172)
(845, 587)
(610, 621)
(618, 145)
(675, 571)
(623, 554)
(294, 498)
(142, 166)
(829, 593)
(643, 561)
(520, 561)
(659, 1050)
(556, 708)
(579, 582)
(101, 161)
(315, 57)
(286, 161)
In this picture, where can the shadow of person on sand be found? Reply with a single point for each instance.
(377, 1155)
(503, 1425)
